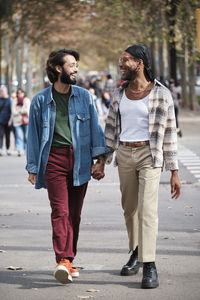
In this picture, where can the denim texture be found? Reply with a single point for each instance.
(88, 140)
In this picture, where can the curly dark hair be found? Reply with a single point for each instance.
(56, 59)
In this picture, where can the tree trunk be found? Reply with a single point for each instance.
(160, 56)
(182, 67)
(7, 59)
(171, 19)
(12, 56)
(191, 68)
(153, 63)
(18, 60)
(192, 95)
(27, 58)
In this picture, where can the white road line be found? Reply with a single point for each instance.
(191, 161)
(191, 164)
(188, 158)
(193, 168)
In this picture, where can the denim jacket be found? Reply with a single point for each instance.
(87, 136)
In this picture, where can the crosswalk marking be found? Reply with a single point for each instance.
(191, 161)
(193, 167)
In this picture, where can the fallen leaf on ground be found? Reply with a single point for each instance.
(89, 223)
(183, 182)
(169, 238)
(6, 215)
(85, 297)
(4, 226)
(190, 214)
(92, 291)
(14, 268)
(188, 206)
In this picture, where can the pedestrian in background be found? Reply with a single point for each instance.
(20, 117)
(106, 99)
(97, 103)
(176, 98)
(5, 119)
(109, 85)
(63, 138)
(13, 97)
(97, 86)
(141, 128)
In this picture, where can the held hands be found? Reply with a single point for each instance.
(32, 178)
(97, 170)
(175, 185)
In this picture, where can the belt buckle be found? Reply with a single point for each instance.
(137, 144)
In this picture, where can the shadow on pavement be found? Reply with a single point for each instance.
(33, 280)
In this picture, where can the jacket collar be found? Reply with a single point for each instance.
(50, 95)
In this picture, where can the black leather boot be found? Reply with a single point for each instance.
(150, 276)
(132, 266)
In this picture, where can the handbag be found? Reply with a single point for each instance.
(25, 119)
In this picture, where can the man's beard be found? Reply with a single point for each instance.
(65, 78)
(130, 75)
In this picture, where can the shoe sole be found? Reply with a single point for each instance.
(126, 272)
(150, 286)
(62, 275)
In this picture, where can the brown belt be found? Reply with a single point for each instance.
(135, 144)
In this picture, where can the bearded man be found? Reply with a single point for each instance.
(63, 138)
(141, 128)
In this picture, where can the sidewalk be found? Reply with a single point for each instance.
(25, 238)
(103, 245)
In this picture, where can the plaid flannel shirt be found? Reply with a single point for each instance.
(162, 126)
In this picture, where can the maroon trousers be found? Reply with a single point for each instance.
(66, 201)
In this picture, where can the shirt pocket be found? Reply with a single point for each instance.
(83, 124)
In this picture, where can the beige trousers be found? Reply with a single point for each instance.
(139, 183)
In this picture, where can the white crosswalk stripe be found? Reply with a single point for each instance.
(190, 160)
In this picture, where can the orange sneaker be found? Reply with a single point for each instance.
(63, 271)
(74, 271)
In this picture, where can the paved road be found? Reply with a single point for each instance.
(25, 236)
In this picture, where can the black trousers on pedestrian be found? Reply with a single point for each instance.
(176, 115)
(5, 130)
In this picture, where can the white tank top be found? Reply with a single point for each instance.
(134, 119)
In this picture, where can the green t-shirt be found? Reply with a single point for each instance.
(62, 133)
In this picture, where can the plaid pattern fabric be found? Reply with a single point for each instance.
(162, 126)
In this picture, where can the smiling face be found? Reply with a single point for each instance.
(69, 70)
(129, 66)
